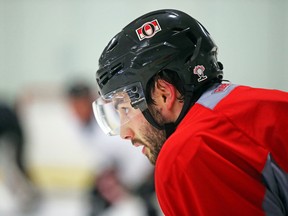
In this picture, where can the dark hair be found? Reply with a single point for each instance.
(169, 76)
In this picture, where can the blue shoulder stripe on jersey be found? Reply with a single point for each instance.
(215, 94)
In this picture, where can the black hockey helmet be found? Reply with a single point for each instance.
(160, 40)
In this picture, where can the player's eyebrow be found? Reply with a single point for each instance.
(119, 100)
(116, 103)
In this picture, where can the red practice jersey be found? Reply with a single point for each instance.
(228, 156)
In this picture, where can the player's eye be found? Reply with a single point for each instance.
(124, 110)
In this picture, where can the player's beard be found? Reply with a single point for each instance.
(154, 137)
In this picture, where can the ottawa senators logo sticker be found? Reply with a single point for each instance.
(148, 29)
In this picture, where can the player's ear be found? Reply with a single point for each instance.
(167, 93)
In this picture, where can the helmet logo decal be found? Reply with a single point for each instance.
(199, 70)
(148, 29)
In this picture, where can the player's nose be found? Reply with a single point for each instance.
(126, 132)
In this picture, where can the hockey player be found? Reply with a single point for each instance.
(218, 148)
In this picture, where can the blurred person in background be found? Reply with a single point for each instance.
(119, 187)
(18, 195)
(121, 200)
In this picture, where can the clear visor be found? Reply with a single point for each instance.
(118, 108)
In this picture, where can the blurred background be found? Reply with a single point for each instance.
(54, 160)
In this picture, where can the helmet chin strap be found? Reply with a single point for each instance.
(188, 103)
(171, 127)
(147, 114)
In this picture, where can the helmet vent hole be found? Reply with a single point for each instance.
(137, 96)
(103, 79)
(106, 76)
(116, 69)
(134, 89)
